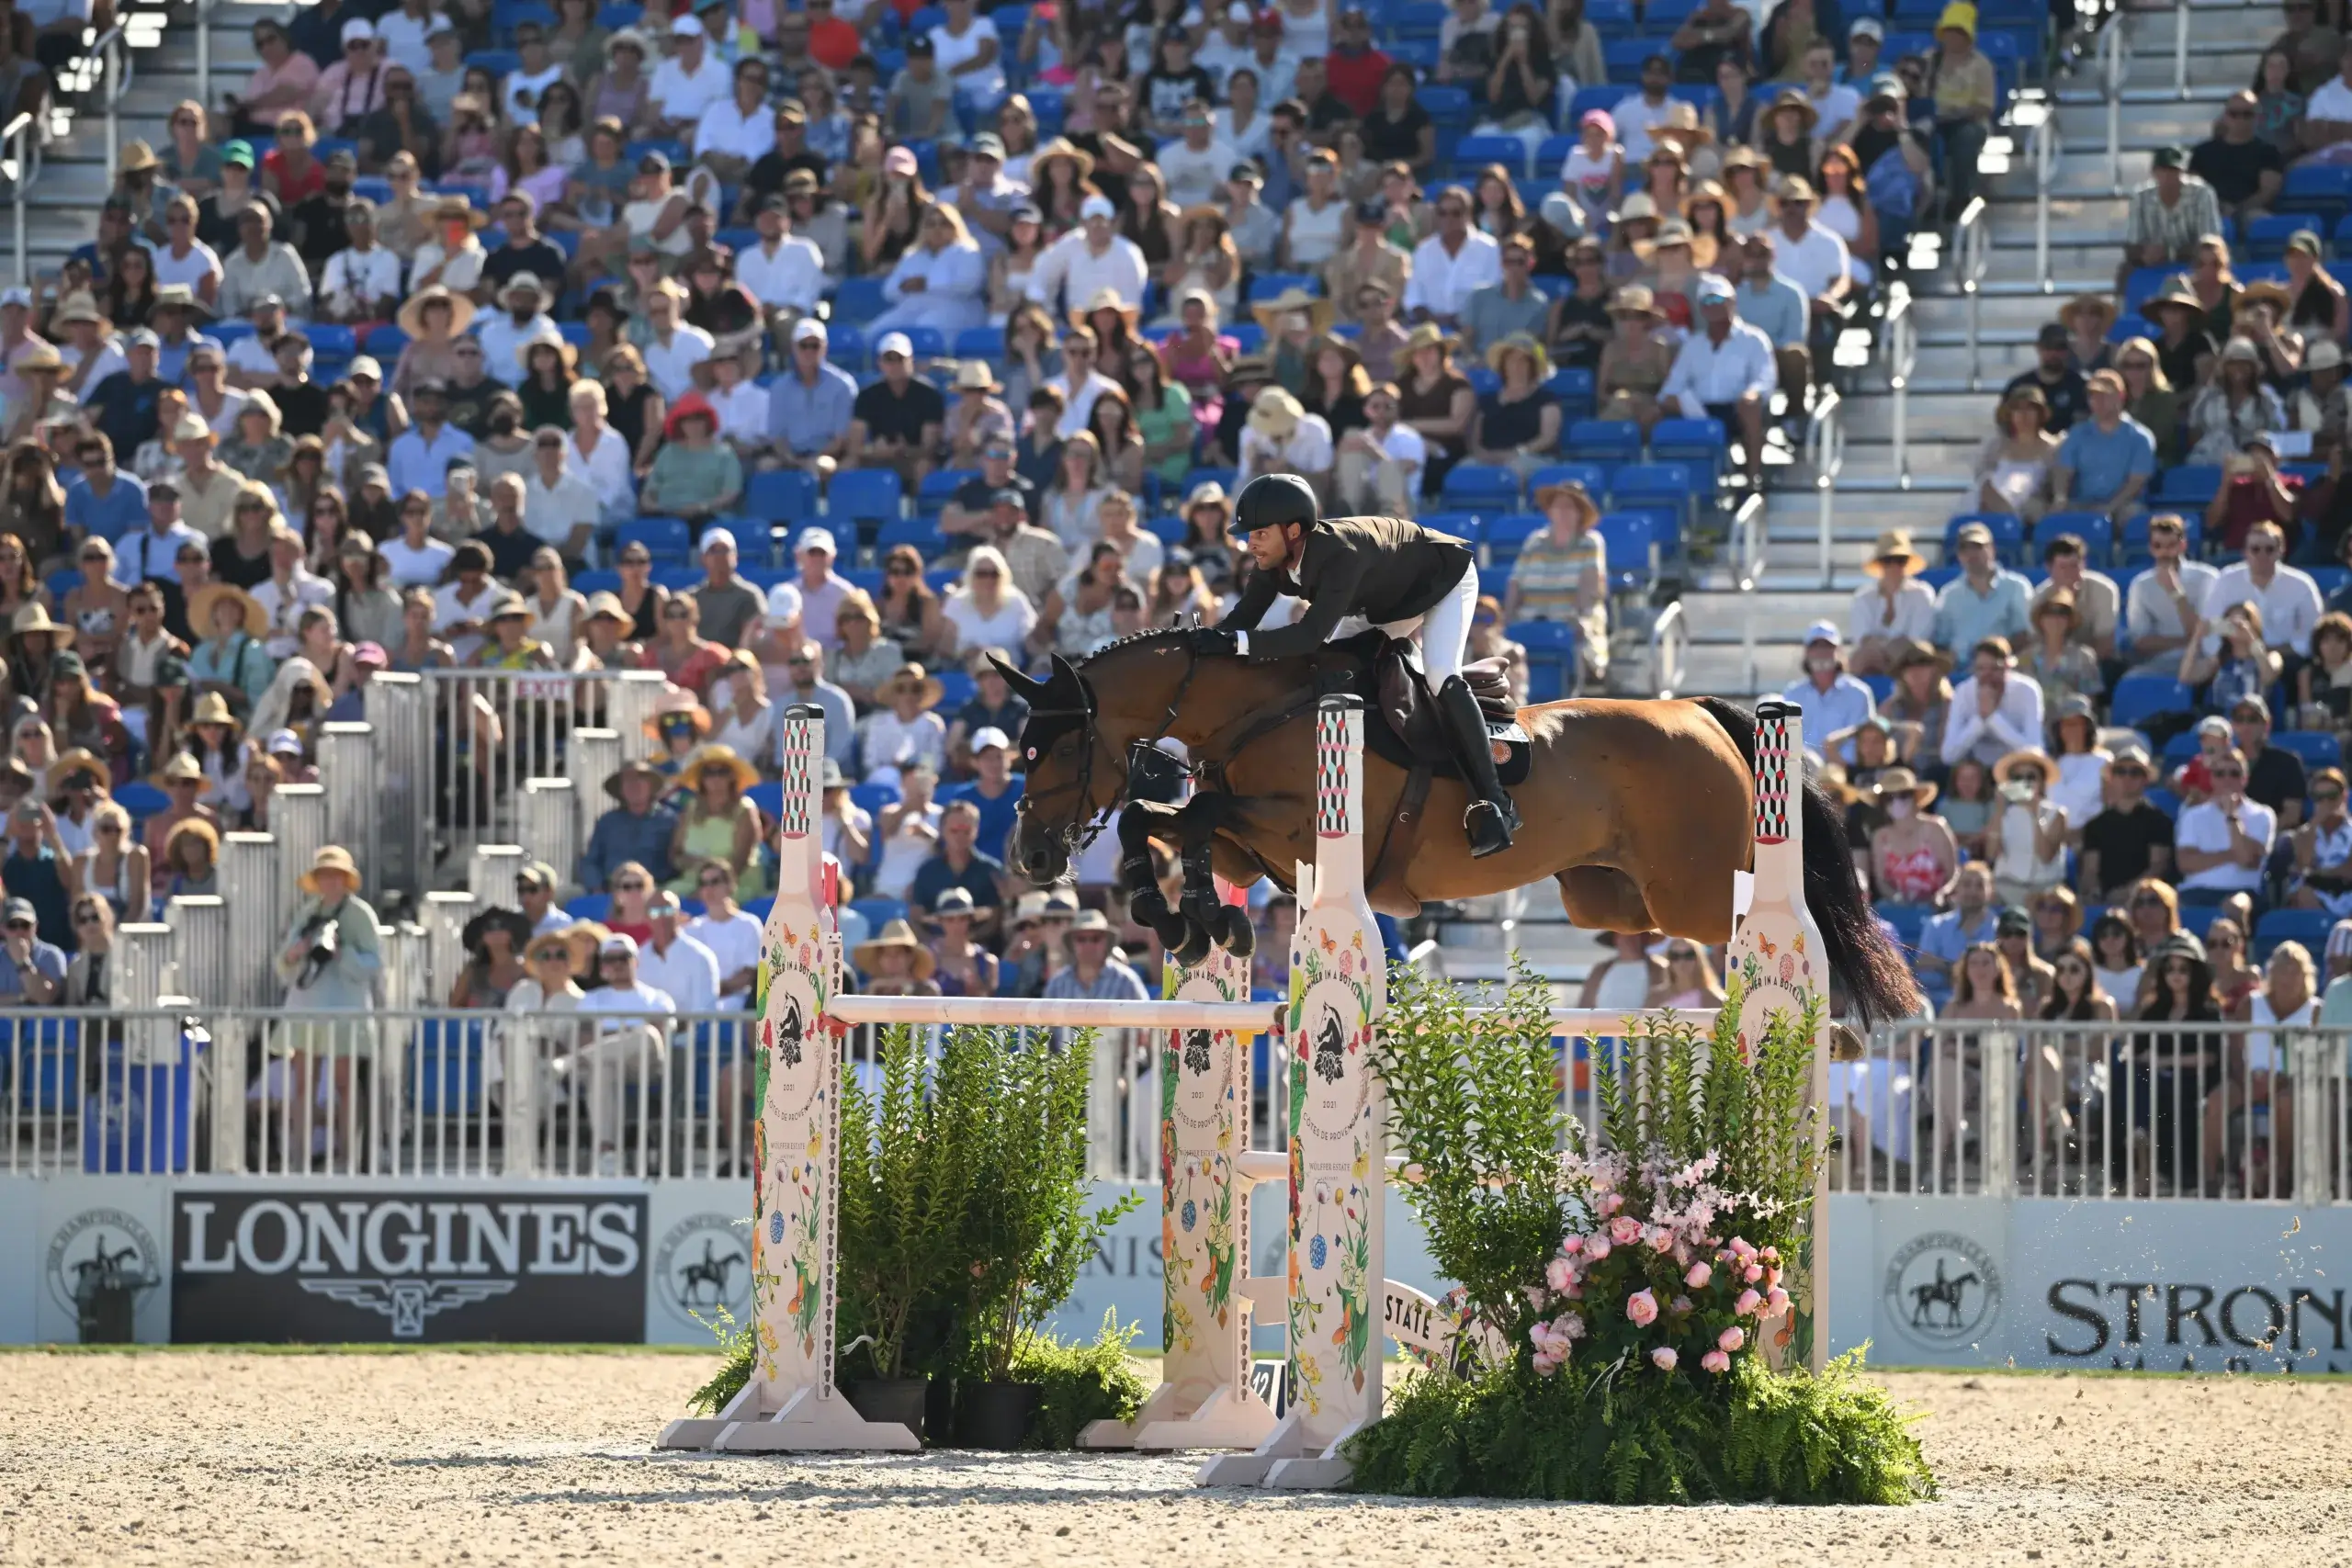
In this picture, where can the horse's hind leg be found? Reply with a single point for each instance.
(1602, 897)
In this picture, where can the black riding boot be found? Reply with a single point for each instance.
(1492, 818)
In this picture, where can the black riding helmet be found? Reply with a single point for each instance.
(1272, 500)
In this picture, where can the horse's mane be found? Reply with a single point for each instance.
(1135, 639)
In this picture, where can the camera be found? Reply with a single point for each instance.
(325, 939)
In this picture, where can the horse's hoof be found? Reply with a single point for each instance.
(1236, 934)
(1197, 944)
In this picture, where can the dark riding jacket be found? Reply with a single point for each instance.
(1384, 569)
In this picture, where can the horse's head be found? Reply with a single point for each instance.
(1071, 773)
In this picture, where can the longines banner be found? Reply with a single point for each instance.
(2132, 1287)
(433, 1264)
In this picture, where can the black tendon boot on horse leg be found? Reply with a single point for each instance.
(1492, 818)
(1203, 918)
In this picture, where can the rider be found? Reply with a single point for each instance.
(1400, 576)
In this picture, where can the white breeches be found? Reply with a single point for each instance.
(1443, 630)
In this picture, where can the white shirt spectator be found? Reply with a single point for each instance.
(1813, 263)
(1443, 283)
(1070, 268)
(950, 52)
(202, 263)
(399, 38)
(688, 973)
(1077, 402)
(1914, 612)
(885, 740)
(607, 471)
(502, 340)
(354, 275)
(1840, 105)
(2148, 610)
(252, 356)
(2291, 604)
(284, 607)
(2015, 724)
(725, 128)
(520, 92)
(2332, 103)
(1706, 372)
(1308, 450)
(1635, 115)
(734, 942)
(461, 271)
(639, 1002)
(1007, 629)
(452, 607)
(551, 513)
(416, 568)
(742, 412)
(682, 95)
(671, 365)
(1194, 178)
(793, 275)
(2202, 827)
(820, 607)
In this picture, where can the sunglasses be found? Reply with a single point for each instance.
(2229, 773)
(632, 888)
(20, 925)
(552, 955)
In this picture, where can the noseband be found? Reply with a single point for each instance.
(1087, 822)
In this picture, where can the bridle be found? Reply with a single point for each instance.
(1085, 823)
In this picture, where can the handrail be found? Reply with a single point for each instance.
(2048, 145)
(1899, 336)
(1668, 637)
(24, 164)
(204, 52)
(1748, 538)
(2114, 70)
(1971, 242)
(2180, 48)
(1825, 449)
(112, 52)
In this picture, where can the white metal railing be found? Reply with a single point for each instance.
(1748, 540)
(204, 52)
(1670, 640)
(2047, 148)
(111, 50)
(1825, 449)
(1899, 340)
(2180, 48)
(23, 136)
(2114, 70)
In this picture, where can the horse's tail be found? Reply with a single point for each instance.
(1878, 983)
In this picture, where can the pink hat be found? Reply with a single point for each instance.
(900, 161)
(1602, 118)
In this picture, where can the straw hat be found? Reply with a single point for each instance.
(974, 375)
(1520, 343)
(180, 297)
(1906, 652)
(181, 766)
(1208, 492)
(897, 934)
(723, 757)
(214, 708)
(1895, 544)
(1291, 301)
(1893, 782)
(38, 356)
(925, 684)
(79, 760)
(333, 857)
(200, 605)
(672, 701)
(1105, 300)
(1637, 208)
(1429, 335)
(1059, 147)
(411, 315)
(571, 354)
(2007, 768)
(605, 605)
(2101, 306)
(2175, 293)
(79, 305)
(1276, 413)
(636, 767)
(33, 616)
(2026, 394)
(2263, 291)
(1575, 492)
(1794, 98)
(1633, 299)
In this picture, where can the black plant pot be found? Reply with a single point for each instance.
(939, 1409)
(892, 1399)
(995, 1414)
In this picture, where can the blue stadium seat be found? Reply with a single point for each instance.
(879, 912)
(140, 798)
(754, 545)
(665, 536)
(1632, 542)
(858, 300)
(2267, 236)
(1699, 442)
(923, 533)
(1574, 388)
(2008, 534)
(980, 343)
(2317, 748)
(1603, 441)
(1447, 106)
(1593, 476)
(2137, 698)
(786, 495)
(2136, 535)
(1473, 153)
(2191, 484)
(1551, 658)
(1465, 526)
(1622, 58)
(590, 906)
(1270, 285)
(864, 492)
(939, 488)
(1507, 535)
(1658, 484)
(2323, 188)
(845, 347)
(2309, 927)
(2091, 527)
(1480, 487)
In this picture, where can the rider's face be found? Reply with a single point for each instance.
(1267, 547)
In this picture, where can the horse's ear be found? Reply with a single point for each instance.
(1066, 679)
(1029, 690)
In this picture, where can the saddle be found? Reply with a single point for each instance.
(1386, 674)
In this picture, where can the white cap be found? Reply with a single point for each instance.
(1822, 631)
(686, 27)
(1868, 28)
(894, 343)
(620, 943)
(1097, 207)
(714, 538)
(987, 736)
(2339, 940)
(20, 295)
(1238, 11)
(356, 28)
(807, 327)
(816, 540)
(365, 366)
(783, 604)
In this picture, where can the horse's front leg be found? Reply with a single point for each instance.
(1140, 821)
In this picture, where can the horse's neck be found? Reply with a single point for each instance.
(1227, 689)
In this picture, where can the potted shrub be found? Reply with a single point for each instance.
(1028, 1226)
(911, 1157)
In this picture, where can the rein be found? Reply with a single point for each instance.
(1088, 822)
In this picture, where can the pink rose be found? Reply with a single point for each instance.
(1560, 1273)
(1641, 1307)
(1612, 1203)
(1699, 1276)
(1624, 1229)
(1770, 1255)
(1714, 1360)
(1597, 1248)
(1679, 1306)
(1752, 1273)
(1574, 1245)
(1748, 1304)
(1772, 1278)
(1731, 1338)
(1547, 1365)
(1740, 1245)
(1660, 1240)
(1664, 1358)
(1776, 1301)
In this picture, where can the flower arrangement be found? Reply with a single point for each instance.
(1626, 1284)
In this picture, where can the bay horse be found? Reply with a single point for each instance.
(1641, 810)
